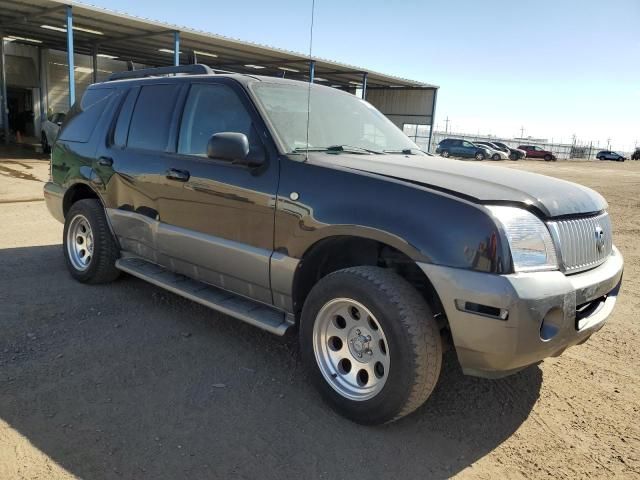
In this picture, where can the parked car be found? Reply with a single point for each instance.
(213, 187)
(461, 148)
(49, 130)
(636, 154)
(609, 155)
(514, 153)
(494, 152)
(538, 152)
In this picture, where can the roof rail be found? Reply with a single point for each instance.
(193, 69)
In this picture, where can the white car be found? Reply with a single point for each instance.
(495, 154)
(50, 129)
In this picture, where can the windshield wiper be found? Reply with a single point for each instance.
(404, 151)
(339, 148)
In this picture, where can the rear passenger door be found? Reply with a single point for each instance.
(133, 162)
(218, 218)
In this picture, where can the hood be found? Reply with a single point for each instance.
(483, 183)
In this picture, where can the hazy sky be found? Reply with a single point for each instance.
(554, 67)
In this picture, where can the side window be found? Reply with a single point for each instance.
(209, 109)
(467, 144)
(85, 114)
(121, 130)
(151, 120)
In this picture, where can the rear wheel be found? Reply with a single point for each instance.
(371, 344)
(90, 250)
(445, 153)
(513, 156)
(547, 158)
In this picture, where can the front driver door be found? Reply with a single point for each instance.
(218, 218)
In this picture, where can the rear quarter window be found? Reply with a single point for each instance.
(152, 115)
(83, 117)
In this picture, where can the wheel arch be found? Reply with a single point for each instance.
(343, 251)
(78, 191)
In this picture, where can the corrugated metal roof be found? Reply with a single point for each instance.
(151, 42)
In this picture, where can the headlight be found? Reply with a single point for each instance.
(529, 238)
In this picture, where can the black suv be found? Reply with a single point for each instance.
(215, 187)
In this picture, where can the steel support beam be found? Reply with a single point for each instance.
(41, 84)
(3, 92)
(312, 70)
(94, 64)
(433, 118)
(72, 71)
(364, 86)
(126, 38)
(176, 48)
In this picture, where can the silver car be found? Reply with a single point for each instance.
(50, 128)
(495, 154)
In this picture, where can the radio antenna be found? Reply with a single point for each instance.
(311, 74)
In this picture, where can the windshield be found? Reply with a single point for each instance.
(336, 119)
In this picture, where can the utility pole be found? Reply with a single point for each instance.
(608, 144)
(446, 125)
(522, 132)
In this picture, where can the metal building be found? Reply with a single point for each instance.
(51, 50)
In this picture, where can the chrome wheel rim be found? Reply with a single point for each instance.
(351, 349)
(445, 154)
(80, 242)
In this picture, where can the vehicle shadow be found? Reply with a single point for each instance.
(129, 381)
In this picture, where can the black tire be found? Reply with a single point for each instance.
(480, 156)
(445, 153)
(513, 156)
(495, 157)
(414, 343)
(101, 267)
(46, 148)
(548, 158)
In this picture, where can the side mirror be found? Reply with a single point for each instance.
(232, 147)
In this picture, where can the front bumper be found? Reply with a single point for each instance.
(53, 197)
(546, 312)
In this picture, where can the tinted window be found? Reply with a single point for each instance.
(85, 114)
(212, 109)
(151, 118)
(122, 124)
(467, 144)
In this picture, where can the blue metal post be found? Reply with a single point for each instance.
(3, 92)
(433, 118)
(176, 48)
(364, 86)
(312, 70)
(72, 73)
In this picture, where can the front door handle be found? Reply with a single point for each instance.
(105, 161)
(178, 175)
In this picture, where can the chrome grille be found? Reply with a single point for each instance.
(577, 243)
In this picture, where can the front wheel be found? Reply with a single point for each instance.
(445, 153)
(371, 344)
(479, 156)
(547, 158)
(513, 156)
(90, 250)
(495, 157)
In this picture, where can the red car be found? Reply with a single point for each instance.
(537, 152)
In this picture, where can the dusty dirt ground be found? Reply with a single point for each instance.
(129, 381)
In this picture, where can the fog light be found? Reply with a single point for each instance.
(551, 323)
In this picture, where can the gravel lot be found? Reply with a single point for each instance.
(129, 381)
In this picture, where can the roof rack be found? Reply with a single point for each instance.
(193, 69)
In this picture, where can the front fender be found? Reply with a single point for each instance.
(316, 202)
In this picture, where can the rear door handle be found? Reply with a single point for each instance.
(178, 175)
(105, 161)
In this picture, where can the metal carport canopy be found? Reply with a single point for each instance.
(151, 42)
(96, 30)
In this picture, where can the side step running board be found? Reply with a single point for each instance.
(255, 313)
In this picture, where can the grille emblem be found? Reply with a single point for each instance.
(599, 239)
